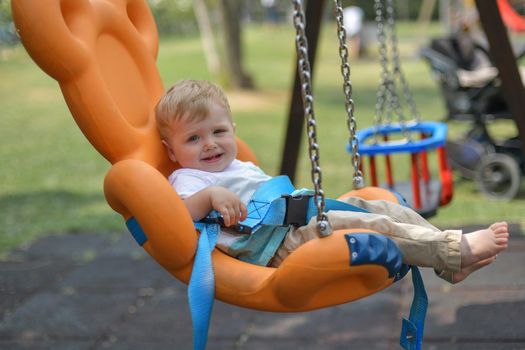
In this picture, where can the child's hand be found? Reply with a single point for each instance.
(229, 205)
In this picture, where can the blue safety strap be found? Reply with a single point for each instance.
(264, 203)
(136, 231)
(201, 288)
(267, 207)
(332, 204)
(413, 327)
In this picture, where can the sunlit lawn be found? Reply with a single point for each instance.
(51, 178)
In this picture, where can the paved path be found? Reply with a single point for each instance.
(94, 291)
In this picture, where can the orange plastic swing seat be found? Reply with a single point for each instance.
(103, 53)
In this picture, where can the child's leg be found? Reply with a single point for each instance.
(447, 251)
(301, 235)
(421, 246)
(396, 211)
(296, 237)
(477, 249)
(424, 246)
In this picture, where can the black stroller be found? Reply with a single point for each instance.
(471, 87)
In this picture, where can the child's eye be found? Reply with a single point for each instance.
(219, 131)
(193, 138)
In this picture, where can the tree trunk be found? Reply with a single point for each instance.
(231, 30)
(425, 11)
(207, 39)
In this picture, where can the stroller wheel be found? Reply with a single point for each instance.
(498, 176)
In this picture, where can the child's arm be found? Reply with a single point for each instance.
(214, 197)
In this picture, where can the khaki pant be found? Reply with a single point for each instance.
(420, 243)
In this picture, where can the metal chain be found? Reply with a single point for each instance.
(323, 226)
(351, 122)
(388, 76)
(398, 72)
(381, 96)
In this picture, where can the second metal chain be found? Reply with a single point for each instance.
(387, 92)
(398, 72)
(351, 122)
(303, 65)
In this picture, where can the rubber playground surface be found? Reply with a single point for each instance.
(93, 291)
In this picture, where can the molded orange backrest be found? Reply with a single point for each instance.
(103, 54)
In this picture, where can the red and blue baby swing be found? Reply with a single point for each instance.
(102, 53)
(414, 137)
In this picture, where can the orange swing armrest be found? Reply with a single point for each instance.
(133, 188)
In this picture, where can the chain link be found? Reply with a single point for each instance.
(303, 64)
(387, 93)
(383, 91)
(351, 122)
(398, 72)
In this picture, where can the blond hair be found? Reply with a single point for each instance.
(188, 99)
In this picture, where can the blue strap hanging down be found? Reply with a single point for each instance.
(413, 328)
(201, 288)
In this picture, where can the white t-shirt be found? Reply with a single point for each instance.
(242, 178)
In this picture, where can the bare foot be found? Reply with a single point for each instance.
(465, 272)
(483, 244)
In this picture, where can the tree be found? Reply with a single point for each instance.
(173, 17)
(207, 38)
(231, 14)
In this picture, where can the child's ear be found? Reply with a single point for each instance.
(234, 126)
(171, 154)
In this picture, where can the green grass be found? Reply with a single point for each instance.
(51, 178)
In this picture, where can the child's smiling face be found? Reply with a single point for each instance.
(207, 145)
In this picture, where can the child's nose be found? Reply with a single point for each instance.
(209, 144)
